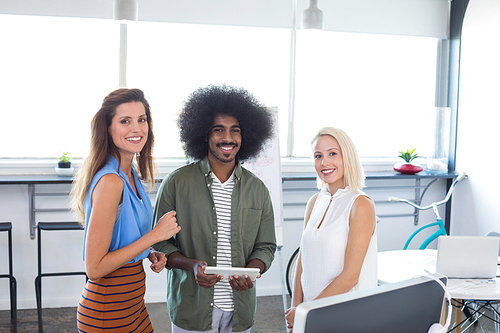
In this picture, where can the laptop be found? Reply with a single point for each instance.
(468, 257)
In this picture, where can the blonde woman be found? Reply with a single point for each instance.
(338, 250)
(109, 197)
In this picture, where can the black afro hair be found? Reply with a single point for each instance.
(196, 119)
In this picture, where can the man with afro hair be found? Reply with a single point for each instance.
(225, 212)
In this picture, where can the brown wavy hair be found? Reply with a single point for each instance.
(102, 146)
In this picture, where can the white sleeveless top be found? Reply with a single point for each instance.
(323, 249)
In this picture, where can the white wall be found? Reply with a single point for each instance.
(65, 250)
(399, 17)
(62, 251)
(476, 210)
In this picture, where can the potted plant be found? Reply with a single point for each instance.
(408, 167)
(65, 160)
(64, 164)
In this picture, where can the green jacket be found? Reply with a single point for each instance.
(187, 191)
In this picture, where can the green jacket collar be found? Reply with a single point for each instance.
(207, 171)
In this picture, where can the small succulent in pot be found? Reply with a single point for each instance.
(408, 155)
(409, 167)
(65, 160)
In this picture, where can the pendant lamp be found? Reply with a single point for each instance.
(312, 17)
(125, 10)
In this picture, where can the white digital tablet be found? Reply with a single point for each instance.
(229, 271)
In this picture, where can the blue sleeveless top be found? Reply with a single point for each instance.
(136, 216)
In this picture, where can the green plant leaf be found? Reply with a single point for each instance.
(65, 157)
(408, 155)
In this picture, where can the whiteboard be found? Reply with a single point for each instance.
(268, 168)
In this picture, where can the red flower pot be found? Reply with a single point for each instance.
(408, 168)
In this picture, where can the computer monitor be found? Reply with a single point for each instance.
(410, 306)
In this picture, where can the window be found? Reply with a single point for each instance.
(55, 71)
(379, 89)
(171, 60)
(59, 69)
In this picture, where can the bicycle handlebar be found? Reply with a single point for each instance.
(434, 204)
(461, 176)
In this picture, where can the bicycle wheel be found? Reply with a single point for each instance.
(291, 268)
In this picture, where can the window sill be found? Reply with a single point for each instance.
(42, 166)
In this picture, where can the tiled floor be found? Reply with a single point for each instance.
(269, 318)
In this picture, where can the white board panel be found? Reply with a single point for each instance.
(268, 168)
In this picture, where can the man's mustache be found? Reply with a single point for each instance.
(227, 144)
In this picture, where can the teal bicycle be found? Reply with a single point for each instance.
(439, 221)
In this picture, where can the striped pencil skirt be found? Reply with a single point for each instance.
(115, 302)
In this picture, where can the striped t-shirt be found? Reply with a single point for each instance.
(223, 293)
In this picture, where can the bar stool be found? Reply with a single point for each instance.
(50, 226)
(7, 226)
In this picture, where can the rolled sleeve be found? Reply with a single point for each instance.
(165, 202)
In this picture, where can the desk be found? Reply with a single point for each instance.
(418, 187)
(32, 180)
(394, 266)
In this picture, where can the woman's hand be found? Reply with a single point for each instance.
(166, 227)
(290, 317)
(158, 261)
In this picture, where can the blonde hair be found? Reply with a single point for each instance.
(354, 175)
(102, 146)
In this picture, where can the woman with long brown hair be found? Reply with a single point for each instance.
(109, 197)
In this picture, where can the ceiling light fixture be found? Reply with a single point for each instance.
(125, 10)
(312, 17)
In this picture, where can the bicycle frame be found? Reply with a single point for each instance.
(440, 232)
(439, 221)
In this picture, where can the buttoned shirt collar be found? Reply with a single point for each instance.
(207, 170)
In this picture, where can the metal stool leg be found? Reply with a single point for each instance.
(38, 282)
(13, 287)
(13, 303)
(7, 226)
(38, 293)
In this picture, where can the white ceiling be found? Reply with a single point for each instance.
(401, 17)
